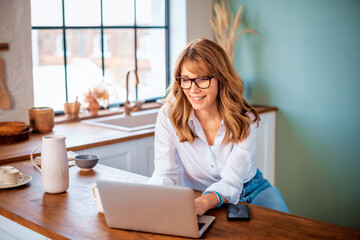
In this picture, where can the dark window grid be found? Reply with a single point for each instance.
(102, 27)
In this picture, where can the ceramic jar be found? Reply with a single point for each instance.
(41, 119)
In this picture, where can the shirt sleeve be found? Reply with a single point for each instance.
(167, 167)
(237, 169)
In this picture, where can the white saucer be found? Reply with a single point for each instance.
(26, 179)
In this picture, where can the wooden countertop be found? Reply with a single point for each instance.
(80, 136)
(73, 215)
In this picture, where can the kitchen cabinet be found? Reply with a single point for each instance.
(137, 156)
(265, 145)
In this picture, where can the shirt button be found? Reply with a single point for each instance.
(211, 165)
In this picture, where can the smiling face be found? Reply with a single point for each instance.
(200, 99)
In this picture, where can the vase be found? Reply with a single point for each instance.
(94, 107)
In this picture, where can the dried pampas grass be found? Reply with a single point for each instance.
(97, 94)
(225, 27)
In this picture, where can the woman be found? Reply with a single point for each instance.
(207, 130)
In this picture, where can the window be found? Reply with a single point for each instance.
(78, 45)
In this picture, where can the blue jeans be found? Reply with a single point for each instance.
(259, 191)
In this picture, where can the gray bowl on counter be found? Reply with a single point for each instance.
(86, 161)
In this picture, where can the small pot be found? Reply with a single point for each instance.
(71, 110)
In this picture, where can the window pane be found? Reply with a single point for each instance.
(83, 61)
(120, 60)
(150, 12)
(151, 63)
(82, 13)
(117, 12)
(46, 13)
(48, 68)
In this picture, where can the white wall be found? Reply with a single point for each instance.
(189, 20)
(15, 29)
(199, 13)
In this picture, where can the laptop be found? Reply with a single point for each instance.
(151, 208)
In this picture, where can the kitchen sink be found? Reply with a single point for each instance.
(137, 121)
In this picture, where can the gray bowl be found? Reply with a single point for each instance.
(86, 161)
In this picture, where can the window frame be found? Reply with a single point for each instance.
(135, 27)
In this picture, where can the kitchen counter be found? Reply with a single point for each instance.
(73, 215)
(80, 136)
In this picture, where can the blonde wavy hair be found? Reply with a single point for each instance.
(206, 58)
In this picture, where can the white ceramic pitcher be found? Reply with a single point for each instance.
(54, 164)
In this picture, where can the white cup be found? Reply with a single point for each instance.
(13, 176)
(3, 169)
(95, 195)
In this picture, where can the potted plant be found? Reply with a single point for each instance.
(92, 97)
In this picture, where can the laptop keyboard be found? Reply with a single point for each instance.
(200, 224)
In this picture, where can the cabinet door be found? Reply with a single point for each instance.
(119, 155)
(11, 230)
(265, 146)
(146, 156)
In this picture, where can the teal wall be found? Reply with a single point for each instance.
(306, 61)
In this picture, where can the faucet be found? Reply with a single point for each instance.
(130, 107)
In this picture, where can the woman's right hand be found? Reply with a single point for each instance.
(202, 204)
(206, 202)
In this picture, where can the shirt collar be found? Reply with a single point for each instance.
(196, 126)
(192, 115)
(193, 120)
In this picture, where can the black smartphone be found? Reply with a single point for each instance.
(237, 212)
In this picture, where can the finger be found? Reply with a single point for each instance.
(199, 211)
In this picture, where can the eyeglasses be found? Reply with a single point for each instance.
(201, 82)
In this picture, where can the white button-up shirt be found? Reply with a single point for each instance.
(217, 167)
